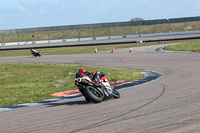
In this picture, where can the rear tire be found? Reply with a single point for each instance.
(93, 94)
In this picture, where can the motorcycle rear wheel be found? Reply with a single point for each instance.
(93, 94)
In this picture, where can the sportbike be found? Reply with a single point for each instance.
(95, 93)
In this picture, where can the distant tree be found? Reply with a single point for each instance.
(137, 19)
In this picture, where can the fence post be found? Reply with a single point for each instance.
(108, 32)
(169, 25)
(78, 35)
(94, 33)
(2, 39)
(18, 38)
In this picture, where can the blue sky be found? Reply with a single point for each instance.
(17, 14)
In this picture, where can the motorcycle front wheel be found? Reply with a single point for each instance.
(93, 94)
(116, 94)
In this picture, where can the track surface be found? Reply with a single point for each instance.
(169, 104)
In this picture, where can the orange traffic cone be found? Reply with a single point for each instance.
(130, 49)
(112, 49)
(95, 50)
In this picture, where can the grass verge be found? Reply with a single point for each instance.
(25, 83)
(70, 50)
(191, 46)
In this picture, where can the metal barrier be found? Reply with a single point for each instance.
(99, 25)
(100, 38)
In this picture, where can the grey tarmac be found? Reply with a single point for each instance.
(169, 104)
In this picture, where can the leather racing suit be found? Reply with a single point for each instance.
(94, 76)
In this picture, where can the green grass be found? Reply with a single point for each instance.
(191, 46)
(98, 32)
(24, 83)
(68, 50)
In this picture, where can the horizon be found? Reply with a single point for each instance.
(97, 23)
(22, 14)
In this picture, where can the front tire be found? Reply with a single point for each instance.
(93, 94)
(116, 94)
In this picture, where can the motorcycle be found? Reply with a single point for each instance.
(35, 53)
(95, 93)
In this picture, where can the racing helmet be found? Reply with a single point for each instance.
(82, 70)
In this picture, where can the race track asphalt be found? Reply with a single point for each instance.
(169, 104)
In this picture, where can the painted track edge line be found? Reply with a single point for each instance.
(149, 76)
(166, 51)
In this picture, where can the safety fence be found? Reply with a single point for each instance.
(99, 25)
(101, 29)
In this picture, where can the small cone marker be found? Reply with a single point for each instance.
(130, 49)
(95, 50)
(112, 49)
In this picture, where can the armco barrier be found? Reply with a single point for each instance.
(100, 38)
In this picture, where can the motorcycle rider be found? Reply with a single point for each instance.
(94, 76)
(35, 53)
